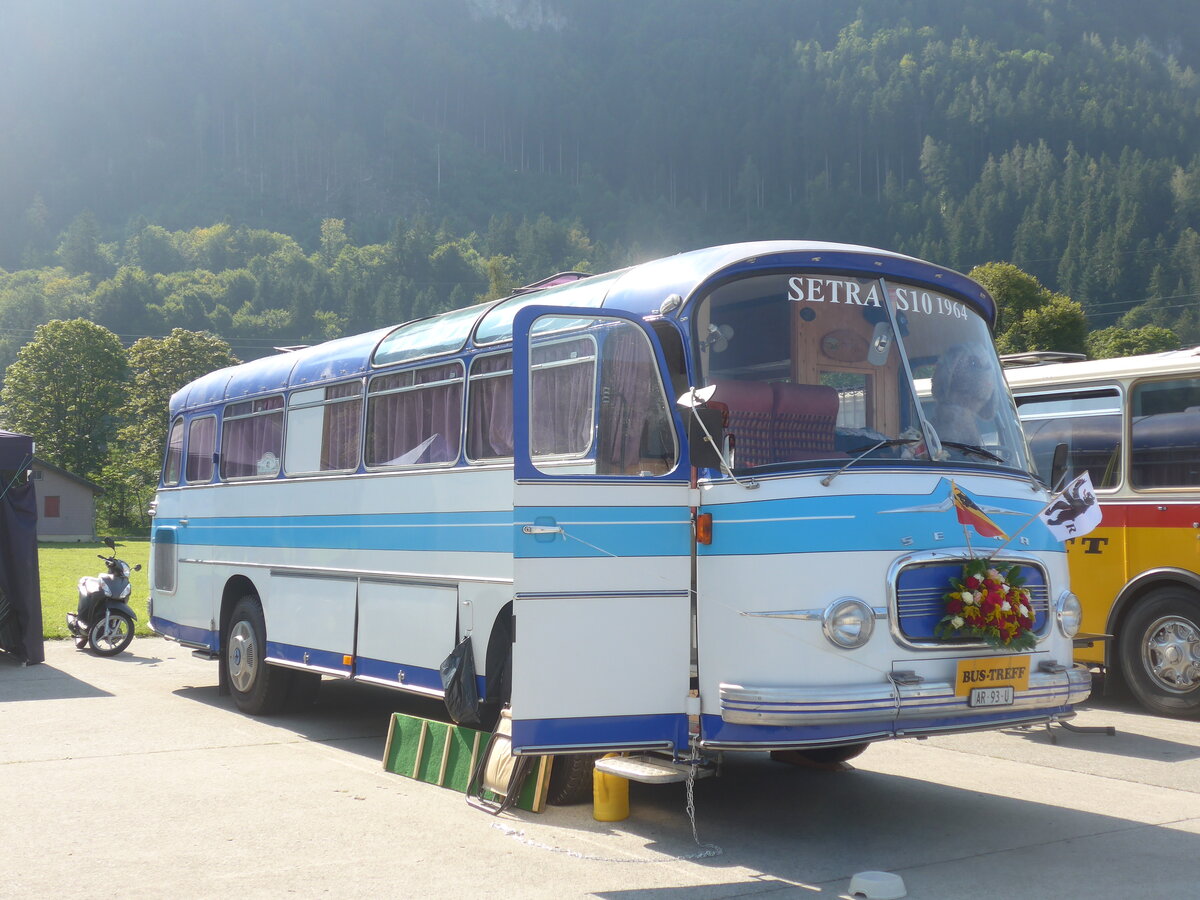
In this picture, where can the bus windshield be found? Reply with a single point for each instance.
(830, 367)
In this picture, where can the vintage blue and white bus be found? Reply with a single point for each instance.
(702, 504)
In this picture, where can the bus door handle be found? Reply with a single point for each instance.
(542, 529)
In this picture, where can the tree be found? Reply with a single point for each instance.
(65, 390)
(158, 368)
(1114, 341)
(1028, 315)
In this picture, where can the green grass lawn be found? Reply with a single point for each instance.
(62, 565)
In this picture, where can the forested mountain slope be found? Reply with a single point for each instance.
(467, 145)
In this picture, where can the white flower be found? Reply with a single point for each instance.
(1006, 606)
(994, 574)
(957, 622)
(1025, 610)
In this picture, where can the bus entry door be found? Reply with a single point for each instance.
(602, 538)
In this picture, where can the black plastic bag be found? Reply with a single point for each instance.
(458, 681)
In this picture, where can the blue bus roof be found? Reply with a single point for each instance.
(639, 289)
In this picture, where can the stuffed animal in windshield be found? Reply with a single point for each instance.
(964, 387)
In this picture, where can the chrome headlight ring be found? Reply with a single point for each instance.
(1069, 613)
(848, 622)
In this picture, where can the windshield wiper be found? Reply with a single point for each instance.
(971, 448)
(886, 442)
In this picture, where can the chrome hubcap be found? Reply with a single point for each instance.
(243, 656)
(1171, 654)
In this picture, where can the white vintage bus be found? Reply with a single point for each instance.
(686, 507)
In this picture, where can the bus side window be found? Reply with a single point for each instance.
(202, 435)
(174, 460)
(1166, 431)
(1088, 422)
(252, 438)
(414, 418)
(489, 408)
(636, 435)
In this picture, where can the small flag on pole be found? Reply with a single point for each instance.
(969, 513)
(1075, 512)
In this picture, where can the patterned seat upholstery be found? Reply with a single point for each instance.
(750, 419)
(805, 420)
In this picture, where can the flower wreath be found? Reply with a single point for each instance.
(991, 604)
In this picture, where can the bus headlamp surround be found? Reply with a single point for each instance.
(848, 622)
(1070, 614)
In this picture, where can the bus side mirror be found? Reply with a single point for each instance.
(1058, 466)
(706, 436)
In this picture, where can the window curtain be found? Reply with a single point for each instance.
(562, 399)
(341, 427)
(202, 437)
(490, 409)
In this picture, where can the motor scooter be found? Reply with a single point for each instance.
(103, 618)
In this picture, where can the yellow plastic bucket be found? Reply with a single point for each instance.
(610, 796)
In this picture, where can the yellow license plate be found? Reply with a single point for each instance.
(993, 672)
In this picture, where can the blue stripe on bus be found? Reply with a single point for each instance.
(330, 660)
(600, 531)
(792, 525)
(859, 523)
(185, 634)
(484, 532)
(600, 731)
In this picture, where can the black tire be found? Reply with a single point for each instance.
(258, 689)
(1159, 652)
(111, 634)
(571, 779)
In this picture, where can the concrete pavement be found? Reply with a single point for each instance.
(130, 777)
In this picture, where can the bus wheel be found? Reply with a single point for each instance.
(1160, 652)
(258, 689)
(571, 779)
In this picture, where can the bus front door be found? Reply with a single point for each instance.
(602, 538)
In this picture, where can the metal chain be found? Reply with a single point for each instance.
(709, 850)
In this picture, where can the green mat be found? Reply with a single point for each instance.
(442, 754)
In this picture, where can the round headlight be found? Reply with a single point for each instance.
(1070, 614)
(848, 622)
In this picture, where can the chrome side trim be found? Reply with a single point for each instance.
(364, 574)
(397, 686)
(888, 701)
(291, 664)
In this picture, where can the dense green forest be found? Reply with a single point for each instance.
(277, 172)
(1060, 135)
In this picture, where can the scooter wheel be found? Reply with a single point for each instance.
(112, 634)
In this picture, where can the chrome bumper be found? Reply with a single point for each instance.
(890, 701)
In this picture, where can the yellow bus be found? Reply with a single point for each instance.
(1134, 425)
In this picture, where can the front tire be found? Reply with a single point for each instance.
(110, 635)
(1159, 650)
(258, 689)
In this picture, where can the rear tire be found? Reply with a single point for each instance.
(258, 689)
(1159, 652)
(571, 779)
(110, 635)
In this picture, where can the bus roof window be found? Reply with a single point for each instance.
(428, 337)
(497, 324)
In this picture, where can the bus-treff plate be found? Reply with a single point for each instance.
(991, 696)
(991, 672)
